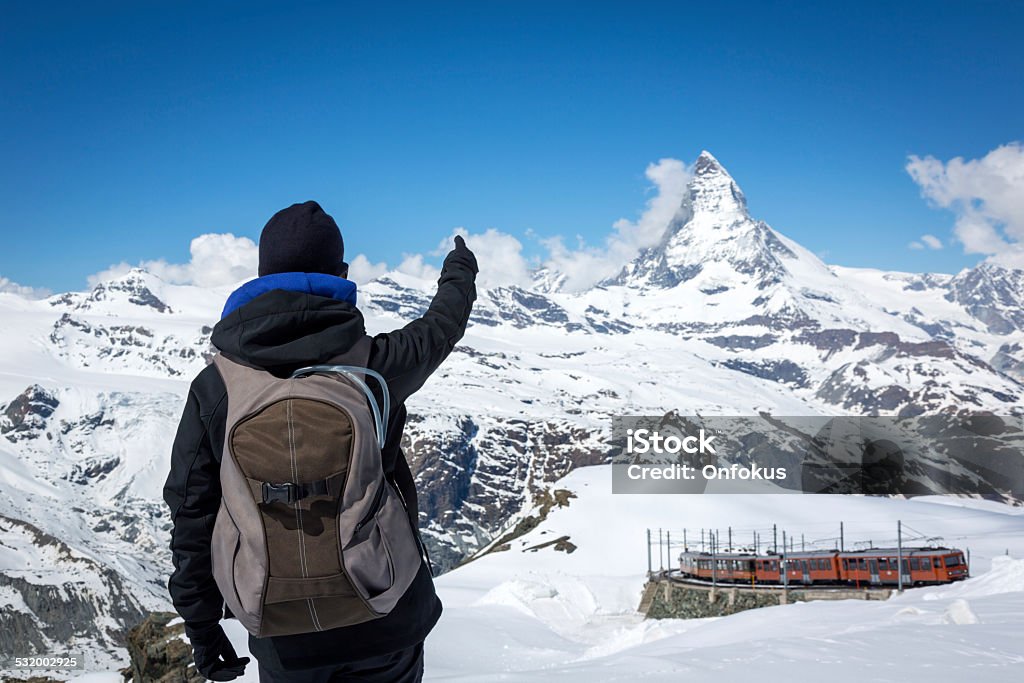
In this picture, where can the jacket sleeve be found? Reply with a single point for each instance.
(407, 357)
(192, 492)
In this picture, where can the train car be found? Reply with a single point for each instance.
(725, 567)
(809, 568)
(768, 569)
(921, 566)
(869, 567)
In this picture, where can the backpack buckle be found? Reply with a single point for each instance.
(283, 493)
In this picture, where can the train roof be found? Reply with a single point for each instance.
(865, 552)
(895, 551)
(805, 553)
(719, 556)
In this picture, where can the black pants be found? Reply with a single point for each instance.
(404, 666)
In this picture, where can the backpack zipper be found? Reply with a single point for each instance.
(374, 506)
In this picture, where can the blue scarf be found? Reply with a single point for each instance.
(311, 283)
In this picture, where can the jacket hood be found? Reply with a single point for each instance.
(287, 329)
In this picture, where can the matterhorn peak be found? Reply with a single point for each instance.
(712, 190)
(712, 240)
(707, 163)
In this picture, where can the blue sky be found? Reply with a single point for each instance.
(129, 128)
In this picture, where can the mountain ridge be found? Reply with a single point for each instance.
(725, 316)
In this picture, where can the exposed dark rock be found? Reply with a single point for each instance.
(132, 288)
(740, 341)
(159, 654)
(66, 611)
(561, 544)
(26, 416)
(782, 371)
(992, 294)
(1009, 359)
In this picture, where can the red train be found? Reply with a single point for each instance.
(870, 567)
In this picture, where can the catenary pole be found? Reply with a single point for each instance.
(714, 562)
(785, 569)
(899, 556)
(649, 566)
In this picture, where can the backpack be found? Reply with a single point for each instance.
(310, 534)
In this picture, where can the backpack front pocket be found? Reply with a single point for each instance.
(367, 557)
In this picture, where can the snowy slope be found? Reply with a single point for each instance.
(524, 615)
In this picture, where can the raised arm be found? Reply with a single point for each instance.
(407, 357)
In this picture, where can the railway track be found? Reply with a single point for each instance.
(676, 577)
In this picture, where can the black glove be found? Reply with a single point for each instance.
(462, 252)
(209, 646)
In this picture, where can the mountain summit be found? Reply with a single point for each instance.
(713, 190)
(713, 242)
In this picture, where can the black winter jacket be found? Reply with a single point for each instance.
(282, 331)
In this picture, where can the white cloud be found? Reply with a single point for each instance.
(926, 242)
(413, 264)
(499, 255)
(986, 195)
(584, 265)
(216, 259)
(361, 270)
(9, 287)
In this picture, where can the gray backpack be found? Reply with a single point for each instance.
(310, 535)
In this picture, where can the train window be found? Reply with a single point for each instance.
(845, 565)
(862, 563)
(952, 561)
(936, 562)
(914, 564)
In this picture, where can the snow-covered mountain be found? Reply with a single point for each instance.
(725, 316)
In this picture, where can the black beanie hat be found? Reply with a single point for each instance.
(301, 239)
